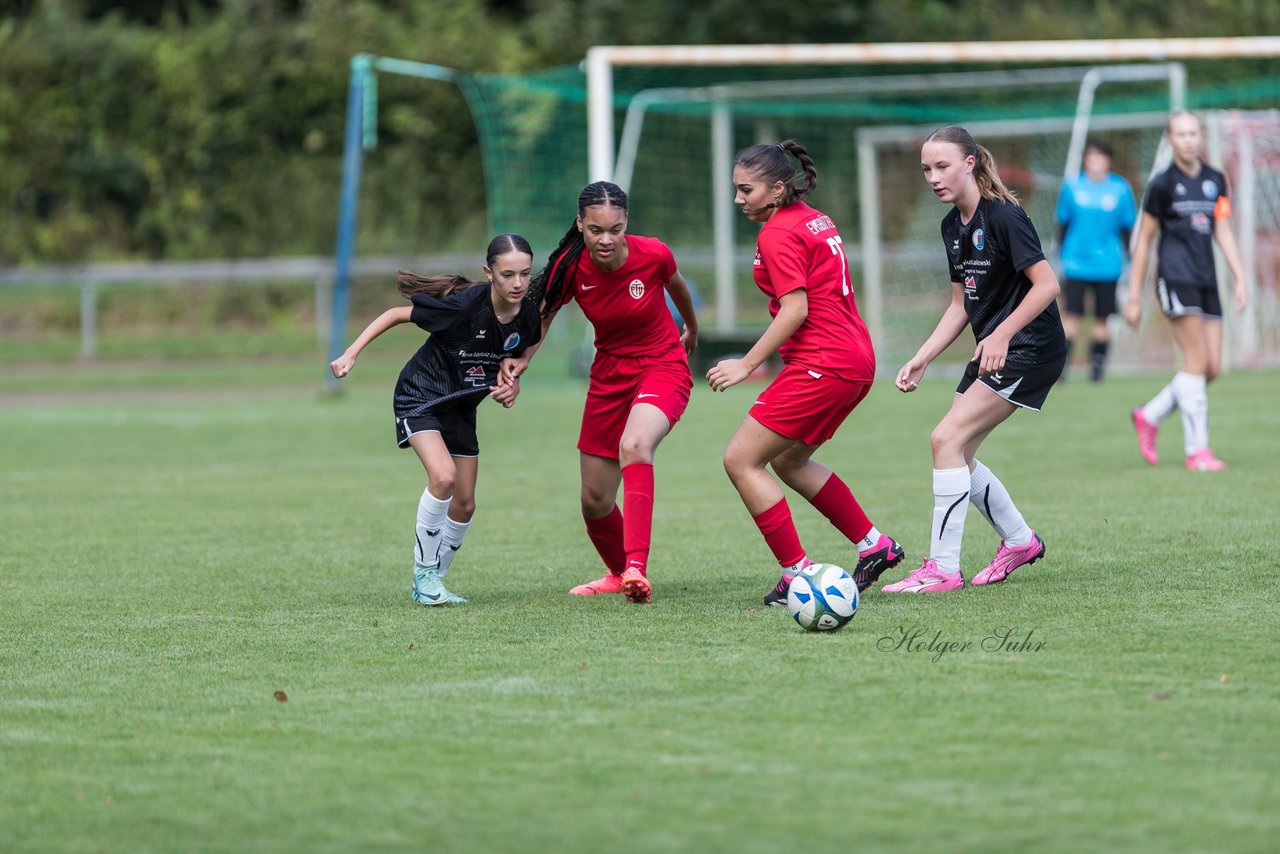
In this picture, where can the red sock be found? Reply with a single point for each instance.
(837, 503)
(606, 536)
(780, 534)
(637, 497)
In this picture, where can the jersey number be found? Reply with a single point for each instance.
(837, 249)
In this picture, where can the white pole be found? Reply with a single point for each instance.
(1247, 230)
(1088, 50)
(872, 296)
(722, 214)
(600, 114)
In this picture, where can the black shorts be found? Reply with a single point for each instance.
(1022, 386)
(1182, 300)
(456, 425)
(1104, 297)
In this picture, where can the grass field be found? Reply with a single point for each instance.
(174, 558)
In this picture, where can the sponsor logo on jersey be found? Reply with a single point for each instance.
(970, 286)
(637, 288)
(1201, 223)
(475, 376)
(512, 341)
(979, 240)
(1109, 202)
(1209, 188)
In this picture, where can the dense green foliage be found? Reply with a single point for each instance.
(209, 547)
(198, 128)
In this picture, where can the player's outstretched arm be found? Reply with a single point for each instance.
(1147, 230)
(992, 351)
(950, 325)
(682, 296)
(1227, 241)
(342, 365)
(510, 369)
(793, 312)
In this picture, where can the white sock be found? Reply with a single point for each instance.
(992, 500)
(790, 572)
(868, 542)
(1194, 403)
(450, 542)
(950, 491)
(431, 516)
(1162, 405)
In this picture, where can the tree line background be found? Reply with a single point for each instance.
(181, 129)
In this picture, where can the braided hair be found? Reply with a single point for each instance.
(441, 286)
(549, 285)
(770, 162)
(984, 170)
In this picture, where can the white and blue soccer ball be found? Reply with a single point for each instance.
(823, 597)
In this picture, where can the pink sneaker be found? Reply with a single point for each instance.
(927, 579)
(610, 583)
(1204, 460)
(1009, 558)
(1146, 436)
(635, 586)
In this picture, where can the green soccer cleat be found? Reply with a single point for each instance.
(429, 589)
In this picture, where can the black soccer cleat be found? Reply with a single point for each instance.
(889, 554)
(777, 597)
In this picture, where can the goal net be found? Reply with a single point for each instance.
(678, 127)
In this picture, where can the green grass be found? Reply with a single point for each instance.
(174, 555)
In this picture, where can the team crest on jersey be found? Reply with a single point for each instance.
(475, 376)
(979, 240)
(512, 340)
(637, 288)
(1209, 188)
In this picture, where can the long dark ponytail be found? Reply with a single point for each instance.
(548, 287)
(771, 163)
(441, 286)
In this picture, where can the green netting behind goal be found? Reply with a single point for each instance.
(533, 132)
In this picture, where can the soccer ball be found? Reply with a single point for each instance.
(823, 597)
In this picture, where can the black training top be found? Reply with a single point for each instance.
(466, 346)
(989, 255)
(1186, 208)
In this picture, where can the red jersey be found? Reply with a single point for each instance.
(799, 247)
(628, 306)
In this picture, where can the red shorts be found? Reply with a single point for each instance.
(619, 383)
(806, 405)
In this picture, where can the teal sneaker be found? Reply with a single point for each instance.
(428, 588)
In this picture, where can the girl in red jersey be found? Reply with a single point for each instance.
(1002, 287)
(828, 360)
(640, 379)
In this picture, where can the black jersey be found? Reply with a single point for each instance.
(988, 256)
(466, 346)
(1186, 208)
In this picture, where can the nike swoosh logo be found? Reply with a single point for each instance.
(429, 598)
(588, 287)
(643, 396)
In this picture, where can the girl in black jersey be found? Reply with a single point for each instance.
(1187, 206)
(473, 326)
(1003, 287)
